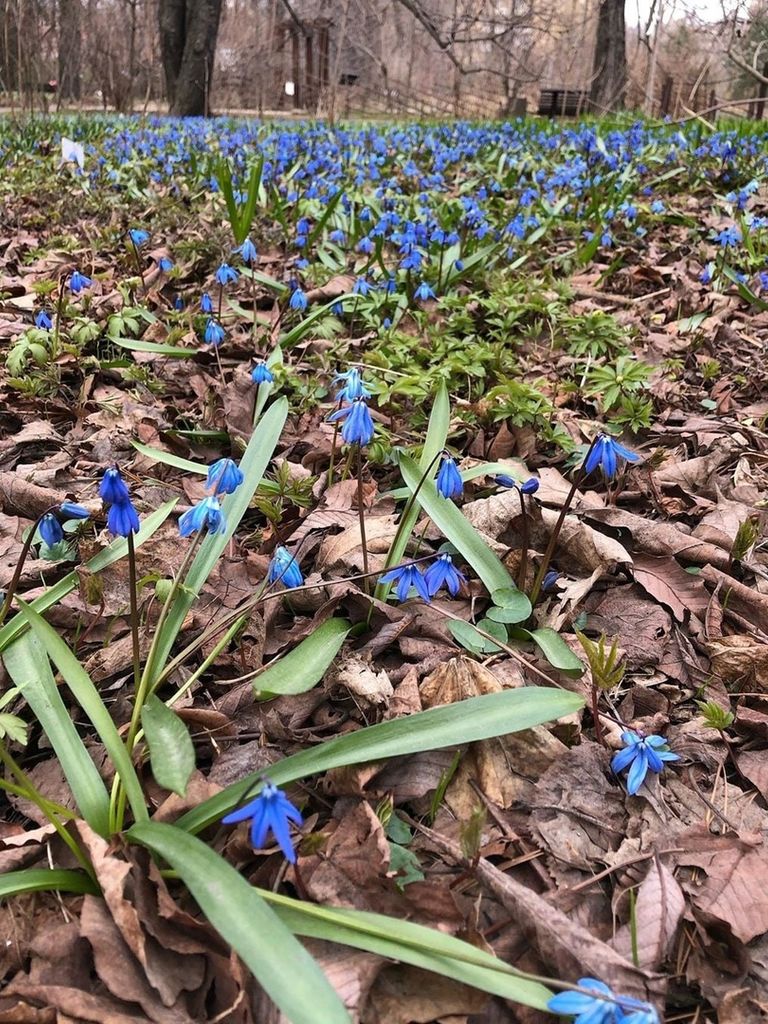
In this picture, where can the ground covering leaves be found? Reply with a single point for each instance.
(577, 278)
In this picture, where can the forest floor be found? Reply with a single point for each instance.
(507, 292)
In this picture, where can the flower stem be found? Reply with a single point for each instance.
(596, 716)
(14, 584)
(361, 514)
(550, 550)
(139, 265)
(134, 599)
(524, 542)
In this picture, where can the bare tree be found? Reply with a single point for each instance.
(609, 82)
(188, 31)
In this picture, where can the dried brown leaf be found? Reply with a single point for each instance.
(658, 912)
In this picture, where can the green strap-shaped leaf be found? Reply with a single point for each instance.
(253, 464)
(278, 961)
(415, 944)
(169, 459)
(89, 699)
(171, 752)
(467, 721)
(297, 333)
(459, 531)
(14, 883)
(29, 667)
(437, 435)
(307, 663)
(164, 351)
(113, 553)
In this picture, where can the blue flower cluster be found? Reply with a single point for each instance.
(122, 518)
(603, 1006)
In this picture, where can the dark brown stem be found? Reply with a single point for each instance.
(13, 585)
(596, 716)
(300, 886)
(580, 475)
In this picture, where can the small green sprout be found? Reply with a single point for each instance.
(714, 716)
(606, 665)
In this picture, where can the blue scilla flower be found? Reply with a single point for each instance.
(529, 486)
(271, 811)
(206, 305)
(605, 455)
(353, 386)
(43, 321)
(50, 529)
(449, 482)
(122, 518)
(224, 477)
(285, 568)
(592, 1009)
(358, 425)
(585, 1008)
(71, 510)
(214, 332)
(441, 573)
(298, 300)
(729, 237)
(707, 273)
(423, 292)
(164, 265)
(78, 282)
(205, 514)
(641, 753)
(178, 303)
(226, 274)
(247, 251)
(138, 236)
(261, 374)
(362, 286)
(407, 576)
(112, 488)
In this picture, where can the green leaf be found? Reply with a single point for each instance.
(437, 435)
(452, 524)
(168, 459)
(14, 883)
(465, 634)
(300, 331)
(478, 718)
(167, 351)
(554, 648)
(113, 553)
(397, 939)
(171, 752)
(89, 699)
(278, 961)
(13, 727)
(306, 664)
(29, 667)
(510, 605)
(253, 464)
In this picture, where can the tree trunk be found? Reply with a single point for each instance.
(609, 81)
(188, 30)
(9, 42)
(69, 50)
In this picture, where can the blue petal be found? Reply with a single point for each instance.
(637, 772)
(624, 757)
(246, 811)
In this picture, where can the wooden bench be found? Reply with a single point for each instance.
(563, 102)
